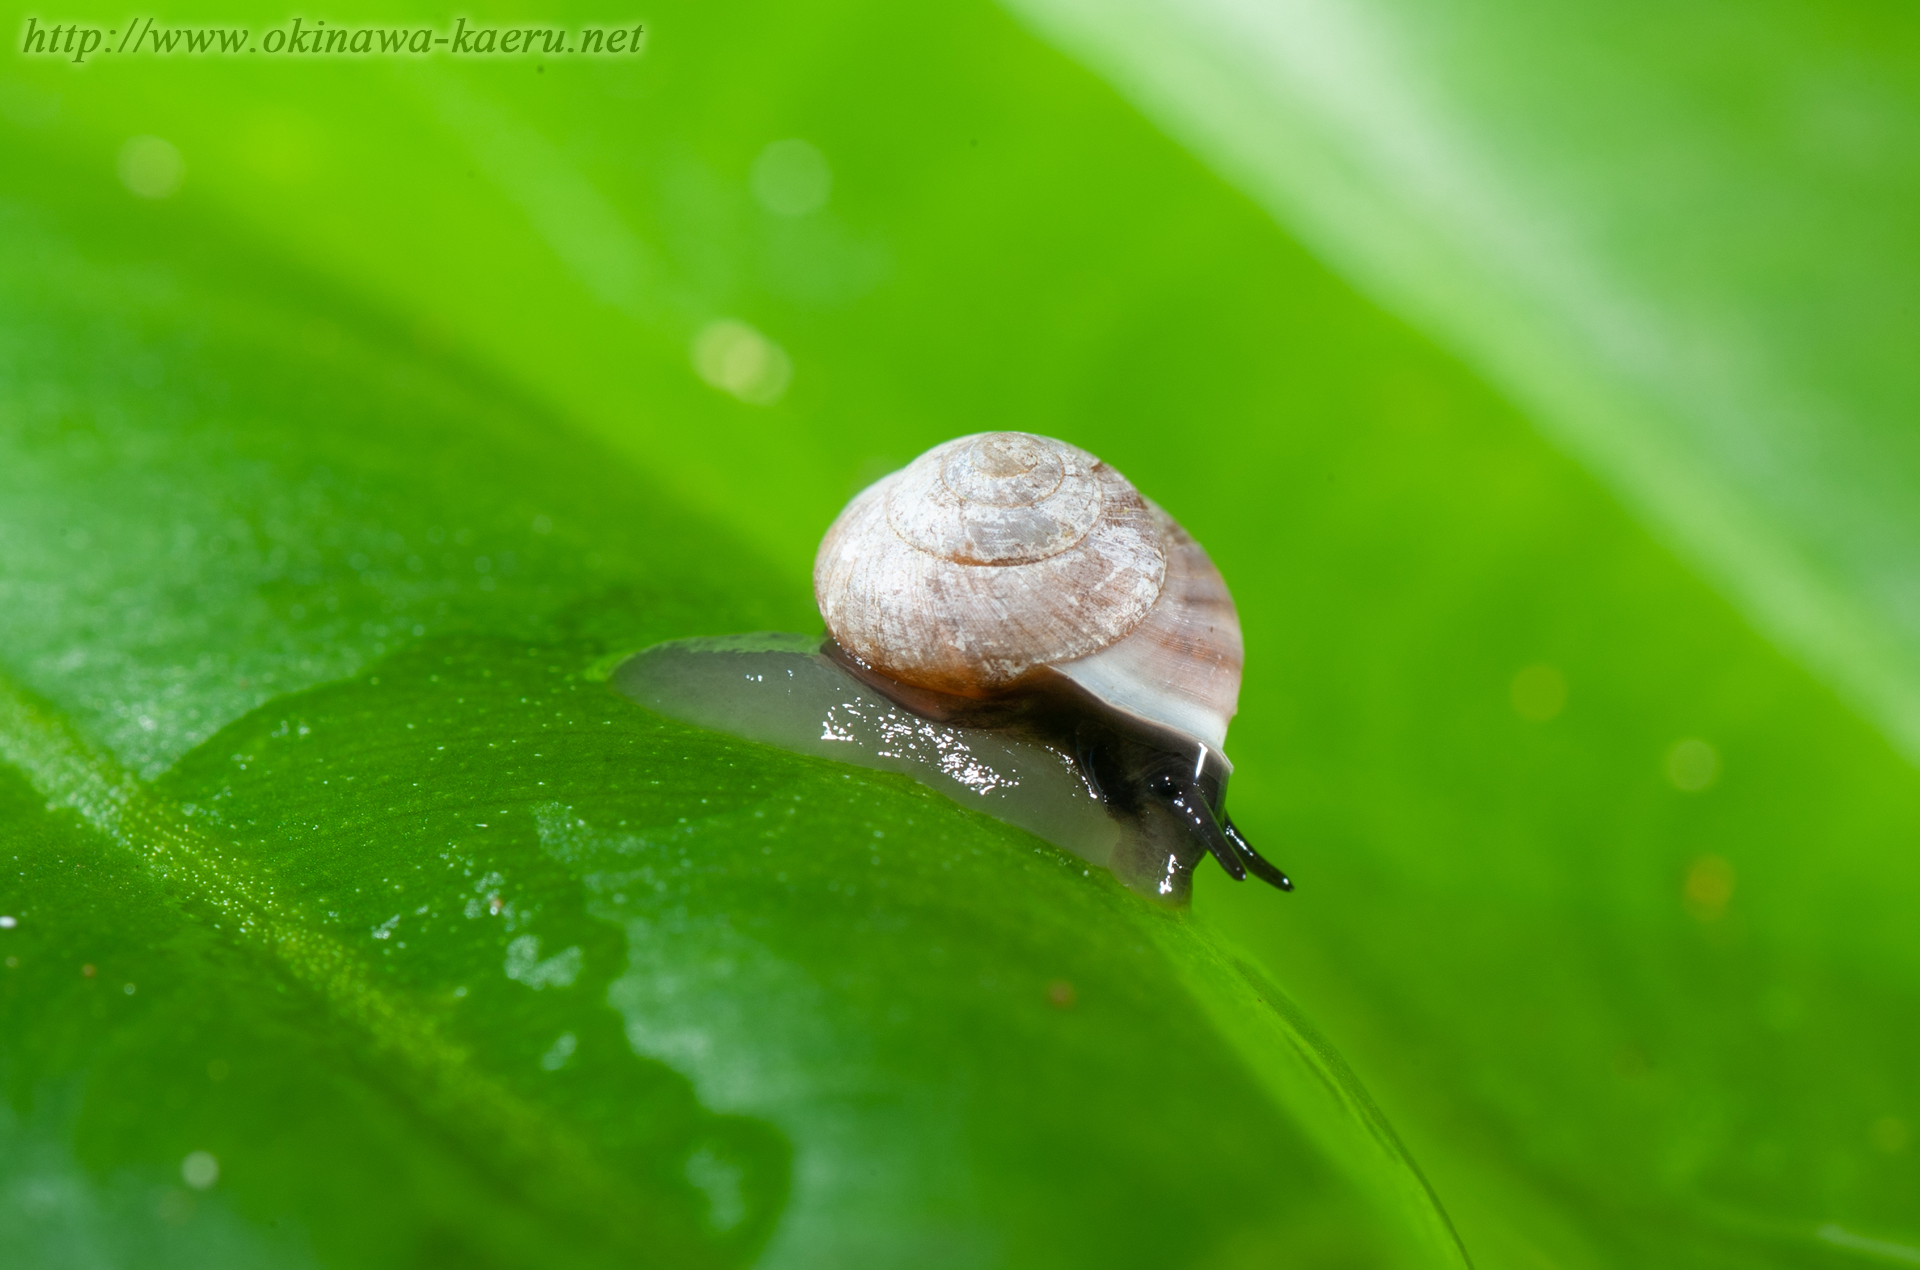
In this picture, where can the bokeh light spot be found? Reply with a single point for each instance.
(736, 359)
(1890, 1134)
(791, 178)
(1708, 888)
(1539, 693)
(559, 1052)
(200, 1170)
(151, 167)
(1692, 765)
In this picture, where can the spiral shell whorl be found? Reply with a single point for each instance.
(1001, 498)
(986, 557)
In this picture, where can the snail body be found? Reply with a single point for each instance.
(1010, 580)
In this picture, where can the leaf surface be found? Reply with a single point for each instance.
(335, 865)
(386, 427)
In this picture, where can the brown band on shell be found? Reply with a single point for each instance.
(1181, 667)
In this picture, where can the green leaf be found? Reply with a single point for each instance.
(390, 425)
(339, 873)
(586, 1028)
(1679, 1006)
(1679, 237)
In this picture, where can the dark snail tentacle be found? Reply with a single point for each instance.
(1257, 864)
(1190, 806)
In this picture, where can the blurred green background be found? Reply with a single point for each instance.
(1541, 380)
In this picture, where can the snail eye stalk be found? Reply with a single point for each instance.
(1222, 837)
(1257, 864)
(1189, 806)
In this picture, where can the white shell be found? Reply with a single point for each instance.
(993, 555)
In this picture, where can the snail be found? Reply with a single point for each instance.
(1012, 624)
(1007, 580)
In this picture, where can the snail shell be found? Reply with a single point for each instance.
(1005, 565)
(995, 558)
